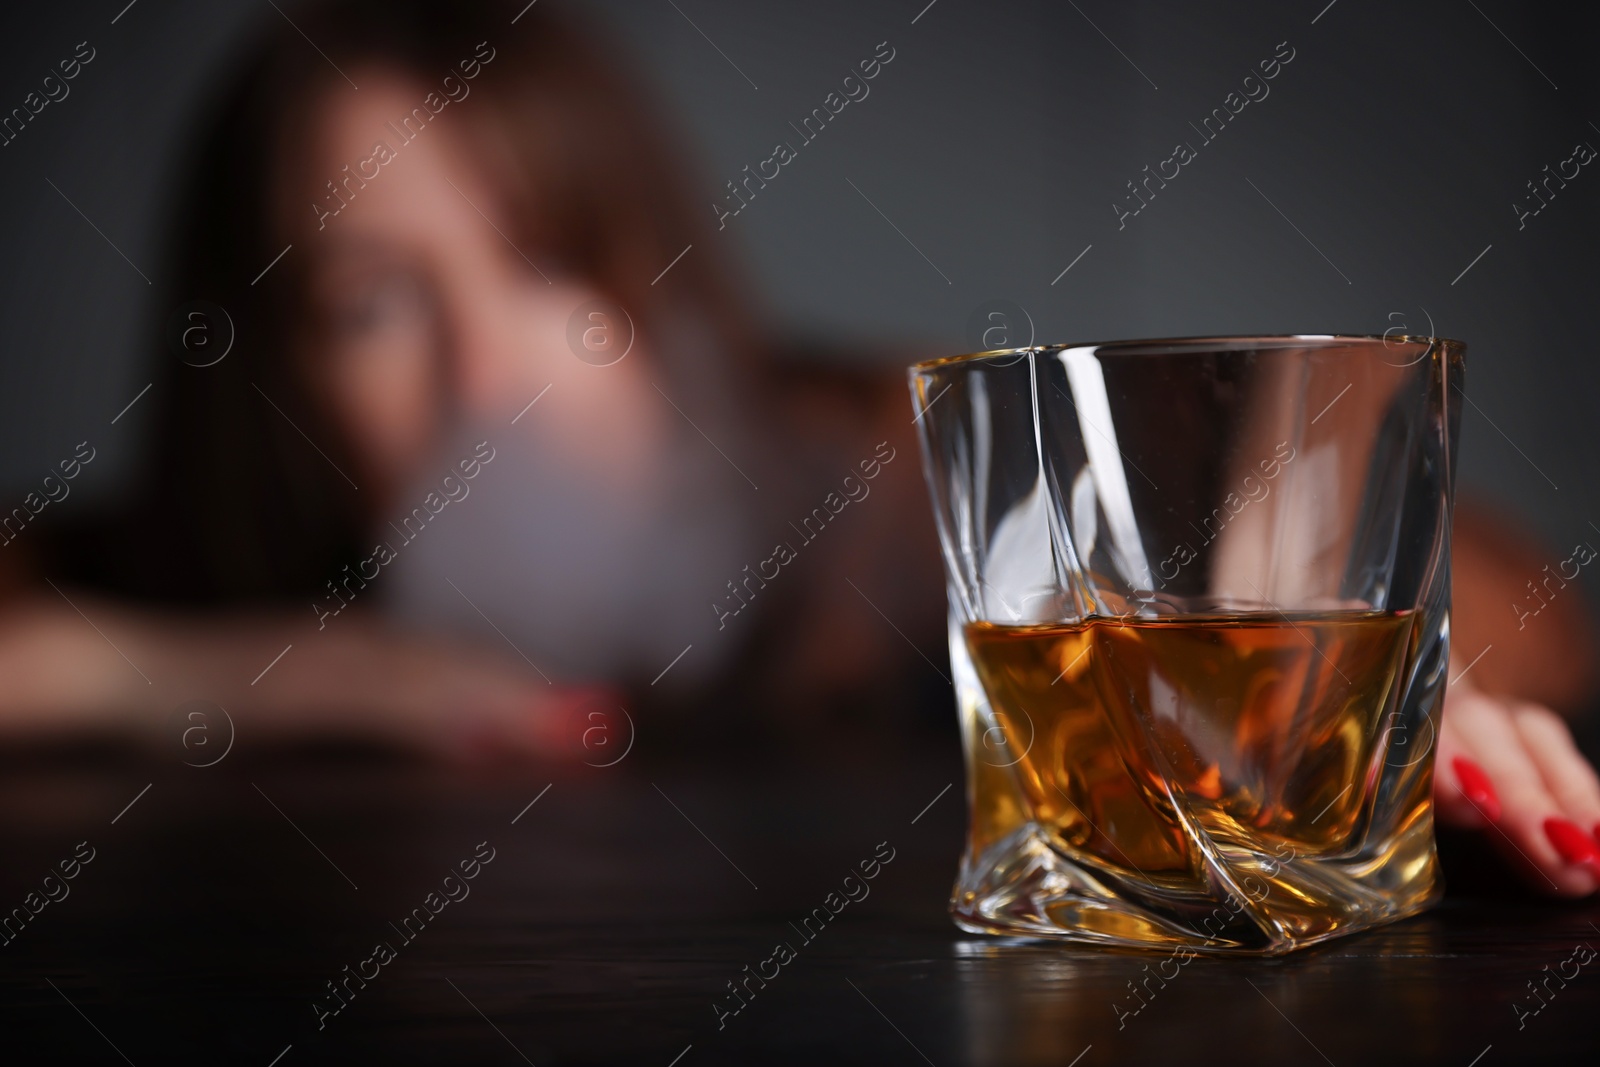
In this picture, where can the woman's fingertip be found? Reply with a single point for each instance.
(1477, 788)
(1575, 846)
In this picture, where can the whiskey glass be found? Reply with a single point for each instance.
(1199, 600)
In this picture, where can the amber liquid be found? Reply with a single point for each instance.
(1261, 729)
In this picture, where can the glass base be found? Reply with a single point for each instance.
(1020, 886)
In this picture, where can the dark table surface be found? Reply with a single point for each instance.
(617, 907)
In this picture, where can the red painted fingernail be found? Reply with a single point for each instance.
(1597, 831)
(1574, 845)
(1475, 785)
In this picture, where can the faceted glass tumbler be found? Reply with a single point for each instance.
(1199, 620)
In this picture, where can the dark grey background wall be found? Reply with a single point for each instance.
(1384, 163)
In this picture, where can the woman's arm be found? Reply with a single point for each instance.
(1507, 763)
(1519, 615)
(92, 666)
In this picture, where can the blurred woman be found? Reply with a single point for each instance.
(487, 265)
(497, 447)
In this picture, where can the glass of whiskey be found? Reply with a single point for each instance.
(1199, 602)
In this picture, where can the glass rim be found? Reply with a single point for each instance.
(1279, 340)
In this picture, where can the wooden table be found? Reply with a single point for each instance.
(617, 905)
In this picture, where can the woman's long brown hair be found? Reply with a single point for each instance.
(234, 504)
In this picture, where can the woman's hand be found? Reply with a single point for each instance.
(1510, 768)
